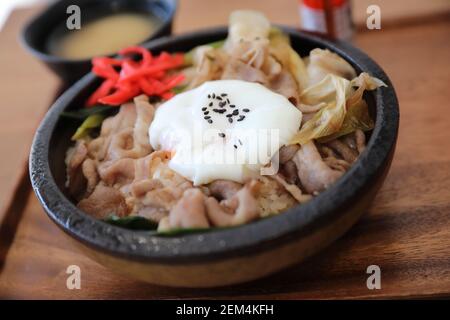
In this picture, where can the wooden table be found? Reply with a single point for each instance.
(406, 231)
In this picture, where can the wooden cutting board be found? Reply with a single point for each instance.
(406, 232)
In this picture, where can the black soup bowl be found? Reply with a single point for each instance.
(38, 32)
(225, 256)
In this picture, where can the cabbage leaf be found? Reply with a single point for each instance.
(344, 112)
(328, 120)
(280, 48)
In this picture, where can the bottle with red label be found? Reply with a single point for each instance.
(331, 18)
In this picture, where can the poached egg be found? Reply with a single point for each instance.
(224, 129)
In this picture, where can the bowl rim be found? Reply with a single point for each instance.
(247, 239)
(50, 58)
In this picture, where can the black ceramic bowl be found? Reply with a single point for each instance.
(36, 33)
(225, 256)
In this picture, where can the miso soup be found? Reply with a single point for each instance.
(102, 36)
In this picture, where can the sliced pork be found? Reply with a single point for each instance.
(315, 175)
(103, 202)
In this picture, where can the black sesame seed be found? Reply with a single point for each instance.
(240, 142)
(210, 121)
(209, 96)
(223, 94)
(210, 104)
(241, 118)
(228, 101)
(235, 146)
(230, 120)
(207, 117)
(213, 95)
(246, 110)
(229, 115)
(204, 108)
(206, 112)
(232, 106)
(219, 98)
(222, 104)
(235, 112)
(222, 135)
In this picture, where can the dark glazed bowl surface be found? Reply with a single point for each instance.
(52, 140)
(36, 33)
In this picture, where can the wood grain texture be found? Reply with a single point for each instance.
(197, 14)
(406, 232)
(26, 89)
